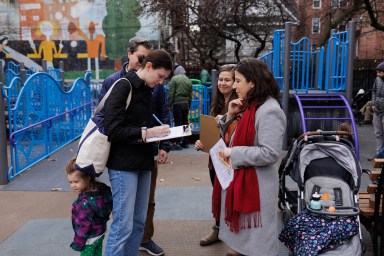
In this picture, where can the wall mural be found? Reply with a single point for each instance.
(84, 34)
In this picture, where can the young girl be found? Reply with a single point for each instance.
(90, 211)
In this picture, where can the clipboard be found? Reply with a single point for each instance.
(174, 132)
(209, 132)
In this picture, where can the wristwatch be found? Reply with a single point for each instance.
(144, 135)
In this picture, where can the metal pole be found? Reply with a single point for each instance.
(61, 67)
(315, 64)
(3, 142)
(23, 75)
(330, 66)
(44, 65)
(214, 84)
(2, 77)
(287, 41)
(351, 57)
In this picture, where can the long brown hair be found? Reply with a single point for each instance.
(90, 181)
(218, 106)
(257, 71)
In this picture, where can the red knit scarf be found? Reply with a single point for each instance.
(242, 203)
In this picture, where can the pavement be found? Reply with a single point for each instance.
(36, 206)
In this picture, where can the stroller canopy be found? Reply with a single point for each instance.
(342, 154)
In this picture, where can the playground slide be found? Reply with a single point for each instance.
(28, 63)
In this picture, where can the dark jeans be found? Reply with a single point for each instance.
(180, 116)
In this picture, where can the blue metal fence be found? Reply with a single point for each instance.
(43, 118)
(336, 59)
(307, 64)
(13, 70)
(278, 57)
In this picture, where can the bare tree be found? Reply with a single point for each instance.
(209, 24)
(337, 13)
(375, 11)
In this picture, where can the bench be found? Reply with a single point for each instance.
(367, 199)
(371, 206)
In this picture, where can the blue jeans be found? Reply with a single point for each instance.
(130, 191)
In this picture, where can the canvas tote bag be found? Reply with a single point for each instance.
(94, 147)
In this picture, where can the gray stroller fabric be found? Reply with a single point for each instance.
(346, 158)
(340, 152)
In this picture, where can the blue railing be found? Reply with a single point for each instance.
(305, 65)
(336, 59)
(35, 142)
(268, 59)
(278, 56)
(13, 70)
(43, 118)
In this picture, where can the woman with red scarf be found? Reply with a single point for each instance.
(253, 130)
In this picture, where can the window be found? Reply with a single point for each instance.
(315, 26)
(335, 3)
(316, 4)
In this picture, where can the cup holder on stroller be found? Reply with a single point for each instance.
(339, 210)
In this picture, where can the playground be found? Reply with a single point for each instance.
(45, 116)
(44, 113)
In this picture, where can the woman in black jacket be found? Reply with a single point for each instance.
(130, 160)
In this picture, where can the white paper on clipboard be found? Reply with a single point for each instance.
(223, 167)
(174, 132)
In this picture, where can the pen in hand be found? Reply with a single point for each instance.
(157, 119)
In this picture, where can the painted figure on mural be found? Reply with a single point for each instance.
(47, 48)
(95, 45)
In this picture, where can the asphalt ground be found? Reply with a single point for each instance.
(35, 206)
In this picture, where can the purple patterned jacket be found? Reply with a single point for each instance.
(90, 213)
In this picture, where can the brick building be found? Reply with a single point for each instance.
(316, 17)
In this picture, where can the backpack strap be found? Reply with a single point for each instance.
(102, 102)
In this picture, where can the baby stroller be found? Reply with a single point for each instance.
(322, 163)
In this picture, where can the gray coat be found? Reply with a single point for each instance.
(270, 125)
(378, 95)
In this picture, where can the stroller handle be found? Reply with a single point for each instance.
(325, 133)
(347, 137)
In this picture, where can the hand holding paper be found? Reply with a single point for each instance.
(222, 163)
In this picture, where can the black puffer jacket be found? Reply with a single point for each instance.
(123, 127)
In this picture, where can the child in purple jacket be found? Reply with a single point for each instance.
(90, 211)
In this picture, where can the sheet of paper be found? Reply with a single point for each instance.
(209, 132)
(223, 167)
(174, 132)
